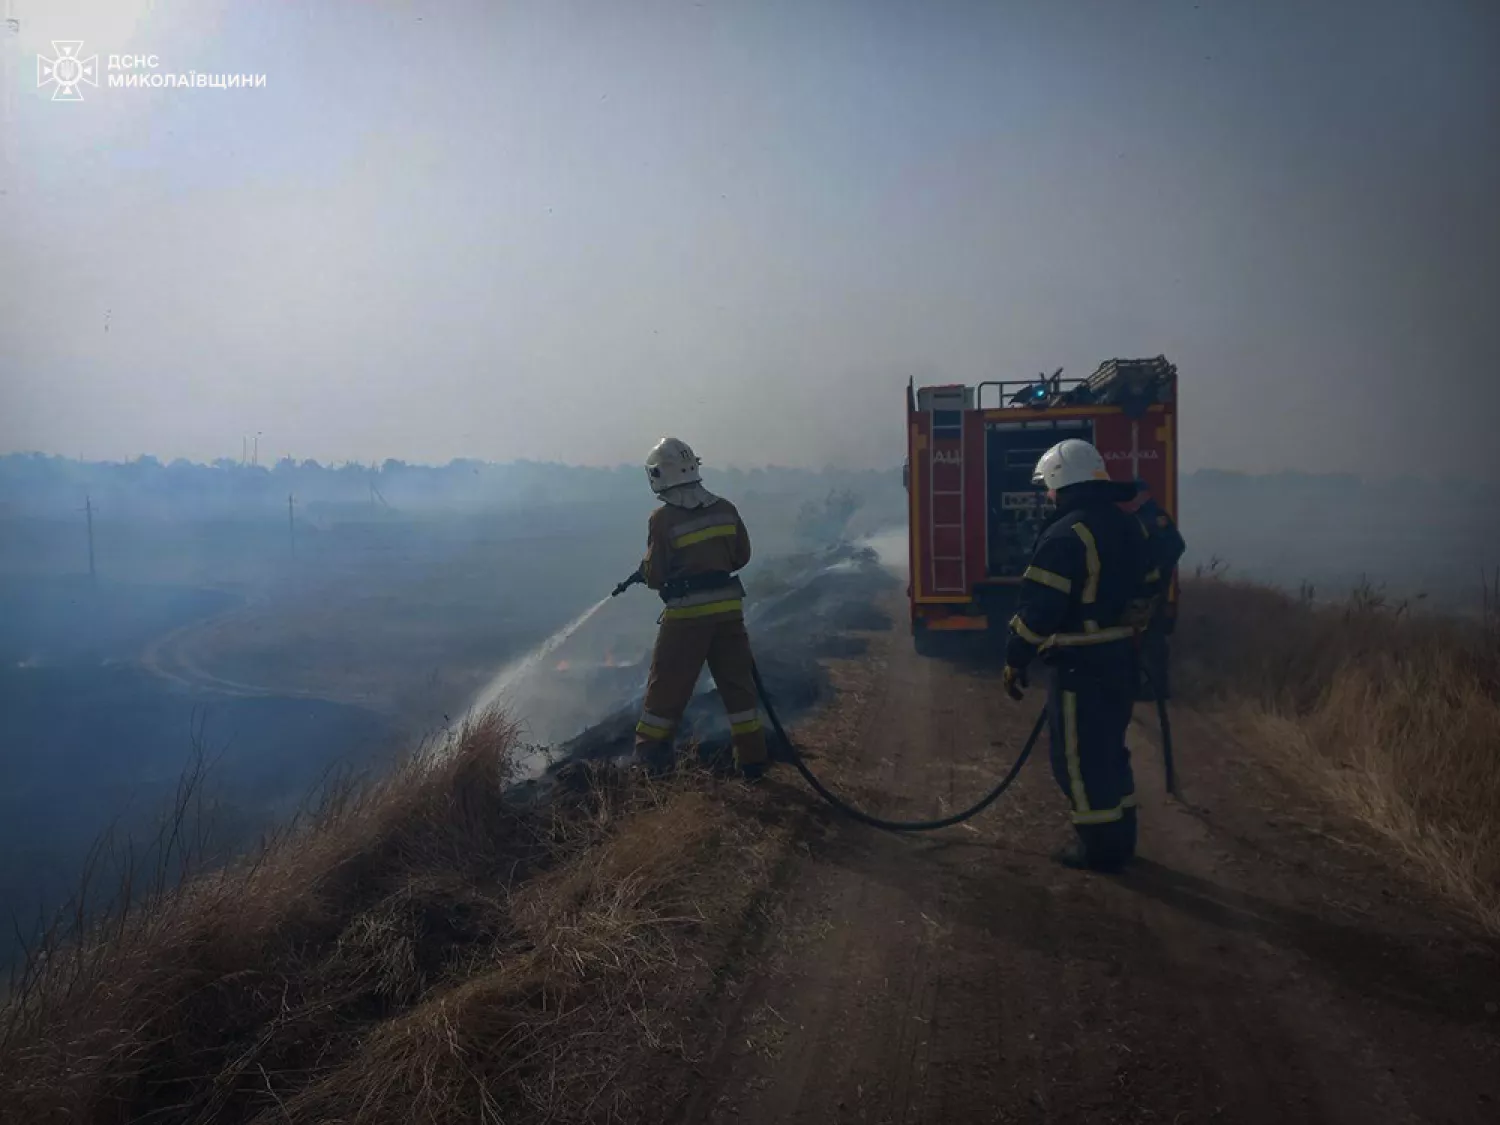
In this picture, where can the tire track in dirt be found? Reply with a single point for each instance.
(168, 656)
(1250, 970)
(173, 657)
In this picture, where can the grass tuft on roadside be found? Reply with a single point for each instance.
(1395, 713)
(424, 948)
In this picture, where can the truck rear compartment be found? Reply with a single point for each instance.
(974, 513)
(1018, 509)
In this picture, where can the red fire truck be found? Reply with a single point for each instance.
(974, 513)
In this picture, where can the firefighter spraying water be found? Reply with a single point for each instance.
(695, 542)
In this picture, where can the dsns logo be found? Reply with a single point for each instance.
(67, 70)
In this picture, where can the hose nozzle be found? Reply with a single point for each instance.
(636, 577)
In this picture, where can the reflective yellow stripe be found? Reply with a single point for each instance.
(652, 732)
(1103, 636)
(720, 532)
(722, 592)
(1047, 578)
(703, 610)
(1024, 631)
(749, 726)
(1103, 816)
(700, 523)
(1154, 574)
(1091, 553)
(1070, 752)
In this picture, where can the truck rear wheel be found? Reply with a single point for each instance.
(923, 639)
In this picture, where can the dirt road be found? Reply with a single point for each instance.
(1264, 963)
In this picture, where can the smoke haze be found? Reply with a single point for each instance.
(557, 230)
(322, 402)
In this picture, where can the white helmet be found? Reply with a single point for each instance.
(671, 463)
(1069, 462)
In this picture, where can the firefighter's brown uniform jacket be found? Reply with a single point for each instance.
(705, 624)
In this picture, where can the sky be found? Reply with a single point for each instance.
(558, 230)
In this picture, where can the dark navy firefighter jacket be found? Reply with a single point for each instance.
(1087, 577)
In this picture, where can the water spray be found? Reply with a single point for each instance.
(518, 670)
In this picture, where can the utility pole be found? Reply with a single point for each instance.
(88, 512)
(291, 524)
(255, 454)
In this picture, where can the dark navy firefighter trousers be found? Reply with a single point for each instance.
(1090, 699)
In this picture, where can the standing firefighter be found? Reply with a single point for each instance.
(1088, 566)
(1164, 549)
(695, 542)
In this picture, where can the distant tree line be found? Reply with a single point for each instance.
(39, 485)
(36, 485)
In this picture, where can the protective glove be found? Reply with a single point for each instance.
(1014, 680)
(1139, 611)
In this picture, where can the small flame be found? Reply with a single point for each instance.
(562, 665)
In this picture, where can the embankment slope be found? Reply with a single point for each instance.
(705, 951)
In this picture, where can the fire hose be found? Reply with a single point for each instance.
(932, 825)
(863, 817)
(843, 806)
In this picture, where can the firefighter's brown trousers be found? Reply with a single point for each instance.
(681, 649)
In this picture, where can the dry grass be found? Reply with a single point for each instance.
(1396, 713)
(424, 949)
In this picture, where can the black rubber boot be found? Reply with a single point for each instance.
(656, 759)
(1101, 847)
(1073, 857)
